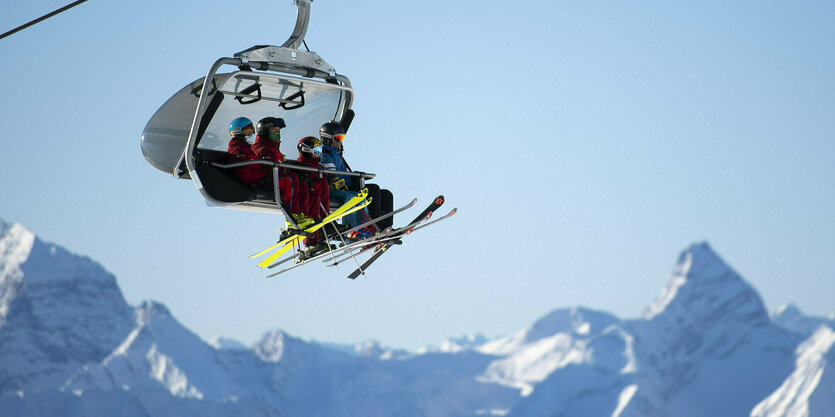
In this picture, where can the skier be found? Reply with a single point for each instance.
(318, 203)
(267, 146)
(310, 150)
(344, 187)
(239, 150)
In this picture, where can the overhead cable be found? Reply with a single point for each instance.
(42, 18)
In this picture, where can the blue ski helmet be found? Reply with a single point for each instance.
(236, 128)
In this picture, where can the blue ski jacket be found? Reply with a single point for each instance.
(332, 159)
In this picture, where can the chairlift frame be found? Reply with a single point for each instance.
(284, 62)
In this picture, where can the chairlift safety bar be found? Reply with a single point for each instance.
(363, 175)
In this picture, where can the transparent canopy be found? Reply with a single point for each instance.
(304, 104)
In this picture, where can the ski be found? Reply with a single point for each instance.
(444, 217)
(373, 245)
(375, 220)
(343, 235)
(328, 253)
(402, 231)
(370, 244)
(396, 241)
(334, 249)
(335, 215)
(291, 241)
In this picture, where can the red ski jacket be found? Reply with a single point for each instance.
(265, 148)
(312, 163)
(319, 189)
(238, 151)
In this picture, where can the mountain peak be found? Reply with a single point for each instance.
(150, 310)
(15, 246)
(77, 307)
(791, 318)
(455, 344)
(701, 283)
(576, 320)
(272, 346)
(16, 243)
(224, 343)
(566, 322)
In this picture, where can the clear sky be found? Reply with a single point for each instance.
(585, 144)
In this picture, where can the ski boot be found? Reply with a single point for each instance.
(314, 249)
(302, 221)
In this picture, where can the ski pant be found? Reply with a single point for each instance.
(382, 202)
(318, 202)
(354, 218)
(293, 196)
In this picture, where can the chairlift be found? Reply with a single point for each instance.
(187, 137)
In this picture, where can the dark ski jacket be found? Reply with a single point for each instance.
(238, 151)
(332, 159)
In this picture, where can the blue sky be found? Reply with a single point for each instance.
(585, 144)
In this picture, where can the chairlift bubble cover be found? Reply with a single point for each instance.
(304, 104)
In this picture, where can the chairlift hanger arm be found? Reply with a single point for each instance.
(302, 20)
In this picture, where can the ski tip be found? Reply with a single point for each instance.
(455, 210)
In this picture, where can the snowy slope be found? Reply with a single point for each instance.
(58, 311)
(159, 352)
(71, 346)
(810, 389)
(561, 338)
(706, 345)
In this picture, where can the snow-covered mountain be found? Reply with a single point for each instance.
(71, 346)
(58, 312)
(792, 319)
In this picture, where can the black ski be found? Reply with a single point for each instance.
(439, 200)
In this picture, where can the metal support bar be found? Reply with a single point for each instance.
(359, 174)
(302, 19)
(277, 192)
(198, 115)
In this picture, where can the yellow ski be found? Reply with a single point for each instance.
(336, 215)
(293, 239)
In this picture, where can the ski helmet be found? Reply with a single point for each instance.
(266, 123)
(269, 122)
(331, 131)
(236, 128)
(310, 147)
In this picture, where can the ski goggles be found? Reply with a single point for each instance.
(340, 137)
(317, 150)
(242, 132)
